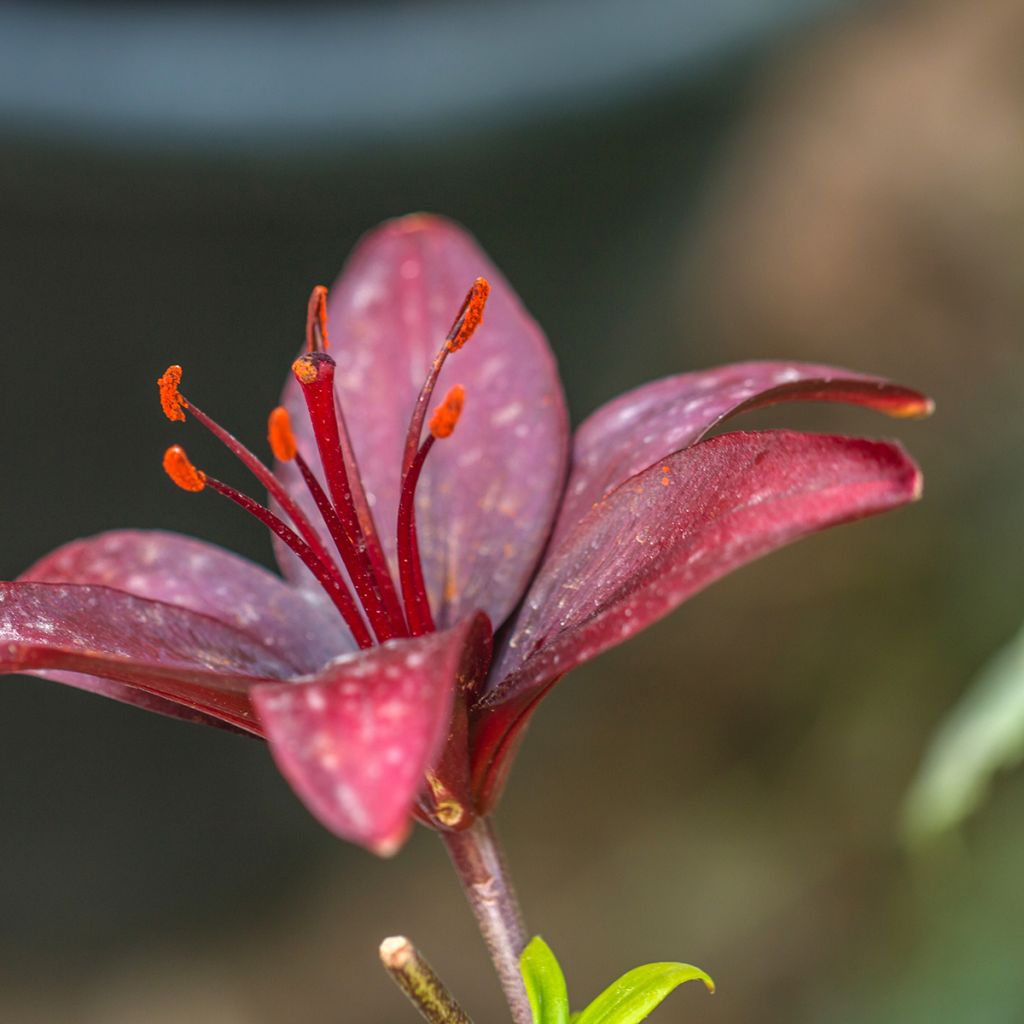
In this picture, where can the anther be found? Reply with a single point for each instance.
(280, 436)
(316, 320)
(470, 316)
(178, 467)
(446, 415)
(171, 399)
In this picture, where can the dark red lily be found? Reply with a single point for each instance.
(370, 668)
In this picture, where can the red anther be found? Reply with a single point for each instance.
(470, 316)
(170, 397)
(446, 415)
(316, 320)
(178, 467)
(280, 436)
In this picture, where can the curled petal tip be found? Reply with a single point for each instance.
(389, 846)
(914, 409)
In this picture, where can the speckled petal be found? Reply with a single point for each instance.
(488, 494)
(355, 740)
(147, 646)
(204, 578)
(664, 535)
(642, 426)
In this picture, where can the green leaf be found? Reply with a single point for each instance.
(638, 992)
(545, 983)
(981, 735)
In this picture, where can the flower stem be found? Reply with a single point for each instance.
(416, 978)
(480, 865)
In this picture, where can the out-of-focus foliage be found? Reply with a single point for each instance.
(981, 735)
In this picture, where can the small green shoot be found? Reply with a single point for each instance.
(627, 1001)
(545, 983)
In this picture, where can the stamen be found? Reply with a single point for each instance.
(170, 397)
(410, 566)
(467, 320)
(187, 477)
(359, 545)
(470, 316)
(447, 414)
(316, 321)
(280, 436)
(178, 467)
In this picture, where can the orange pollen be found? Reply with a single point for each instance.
(473, 313)
(171, 399)
(181, 471)
(280, 436)
(447, 414)
(304, 370)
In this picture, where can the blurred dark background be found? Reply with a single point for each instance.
(668, 185)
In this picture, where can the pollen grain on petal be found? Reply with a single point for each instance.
(171, 399)
(178, 467)
(471, 316)
(446, 415)
(280, 435)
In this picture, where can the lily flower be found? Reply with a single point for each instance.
(407, 539)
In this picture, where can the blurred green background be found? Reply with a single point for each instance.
(668, 185)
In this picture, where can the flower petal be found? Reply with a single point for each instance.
(642, 426)
(156, 648)
(136, 698)
(666, 534)
(204, 578)
(488, 494)
(356, 740)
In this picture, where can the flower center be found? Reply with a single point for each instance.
(357, 579)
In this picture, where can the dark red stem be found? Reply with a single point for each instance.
(410, 568)
(419, 411)
(264, 475)
(318, 391)
(362, 580)
(330, 581)
(374, 551)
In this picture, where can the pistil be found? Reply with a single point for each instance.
(282, 442)
(315, 374)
